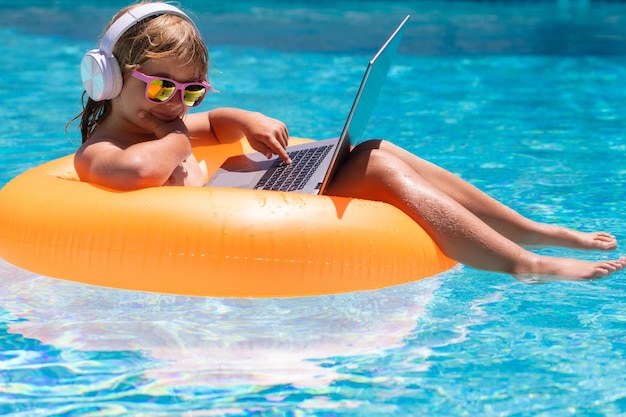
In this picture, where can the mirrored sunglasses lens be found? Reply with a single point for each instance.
(194, 94)
(161, 90)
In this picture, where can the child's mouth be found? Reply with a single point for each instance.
(166, 117)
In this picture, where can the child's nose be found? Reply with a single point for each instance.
(177, 100)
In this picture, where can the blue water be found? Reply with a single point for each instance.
(525, 100)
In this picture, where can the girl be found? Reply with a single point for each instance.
(140, 137)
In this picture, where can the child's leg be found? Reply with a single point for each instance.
(503, 219)
(379, 175)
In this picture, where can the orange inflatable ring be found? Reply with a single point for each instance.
(208, 241)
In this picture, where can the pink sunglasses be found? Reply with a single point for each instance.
(161, 89)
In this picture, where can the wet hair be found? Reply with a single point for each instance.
(156, 37)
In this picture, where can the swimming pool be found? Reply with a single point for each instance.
(523, 99)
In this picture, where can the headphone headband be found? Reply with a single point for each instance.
(100, 71)
(131, 18)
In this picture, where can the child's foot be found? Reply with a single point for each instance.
(597, 240)
(568, 238)
(547, 269)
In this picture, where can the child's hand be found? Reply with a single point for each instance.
(159, 127)
(267, 135)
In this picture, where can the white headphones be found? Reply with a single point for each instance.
(99, 69)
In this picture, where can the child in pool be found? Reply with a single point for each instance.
(140, 137)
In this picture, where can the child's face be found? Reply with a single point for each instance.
(134, 91)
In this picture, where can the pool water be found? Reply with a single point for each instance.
(523, 99)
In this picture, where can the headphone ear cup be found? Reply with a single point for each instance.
(101, 75)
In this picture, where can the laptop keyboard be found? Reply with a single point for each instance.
(294, 176)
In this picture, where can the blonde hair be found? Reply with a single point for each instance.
(156, 37)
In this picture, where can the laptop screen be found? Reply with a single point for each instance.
(371, 85)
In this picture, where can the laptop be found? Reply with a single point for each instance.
(314, 163)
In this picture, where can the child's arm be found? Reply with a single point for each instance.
(111, 163)
(226, 125)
